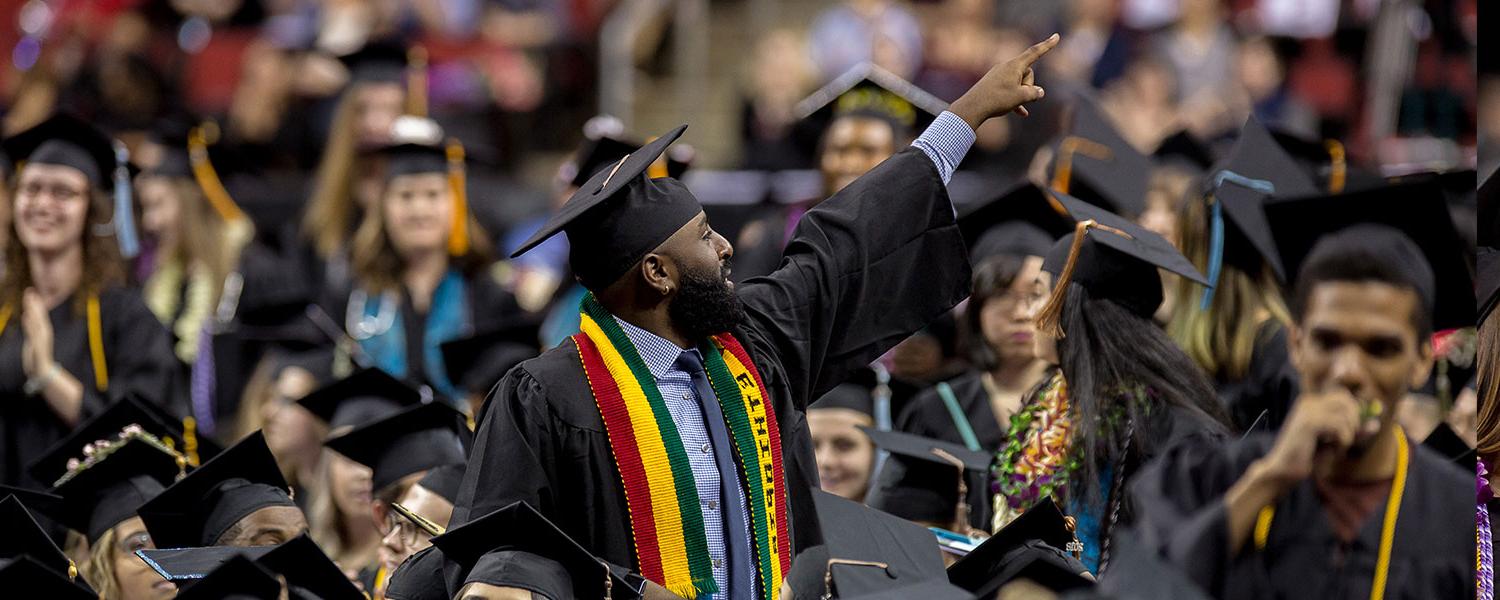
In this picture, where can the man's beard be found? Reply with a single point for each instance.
(706, 305)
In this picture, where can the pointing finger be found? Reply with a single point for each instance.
(1040, 48)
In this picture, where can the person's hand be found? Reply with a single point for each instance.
(1320, 429)
(1007, 87)
(36, 352)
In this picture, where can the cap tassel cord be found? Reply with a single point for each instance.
(416, 81)
(1049, 318)
(833, 562)
(1338, 166)
(208, 178)
(458, 238)
(1062, 176)
(124, 216)
(960, 512)
(1216, 228)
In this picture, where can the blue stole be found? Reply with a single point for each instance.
(447, 320)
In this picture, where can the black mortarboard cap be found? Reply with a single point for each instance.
(411, 441)
(420, 577)
(1487, 288)
(1183, 149)
(46, 508)
(1256, 170)
(1446, 442)
(365, 396)
(103, 494)
(1488, 199)
(1111, 266)
(859, 390)
(379, 61)
(1136, 573)
(868, 90)
(480, 360)
(619, 216)
(519, 527)
(918, 484)
(1326, 163)
(1095, 163)
(1030, 547)
(416, 148)
(68, 141)
(444, 481)
(603, 152)
(128, 410)
(24, 537)
(1413, 209)
(855, 532)
(198, 509)
(189, 564)
(1022, 221)
(23, 577)
(239, 578)
(932, 589)
(171, 136)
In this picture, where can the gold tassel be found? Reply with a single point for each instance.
(208, 179)
(1062, 175)
(458, 237)
(1049, 318)
(658, 167)
(416, 81)
(1338, 166)
(190, 440)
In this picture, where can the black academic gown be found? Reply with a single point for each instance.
(1263, 399)
(928, 415)
(490, 307)
(1181, 515)
(865, 269)
(137, 355)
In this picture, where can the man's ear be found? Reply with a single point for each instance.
(1294, 345)
(658, 272)
(1422, 370)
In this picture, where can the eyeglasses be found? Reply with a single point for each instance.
(59, 192)
(406, 531)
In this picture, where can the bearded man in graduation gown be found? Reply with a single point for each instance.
(668, 437)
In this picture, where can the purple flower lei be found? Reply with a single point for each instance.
(1485, 571)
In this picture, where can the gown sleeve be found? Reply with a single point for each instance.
(138, 355)
(864, 269)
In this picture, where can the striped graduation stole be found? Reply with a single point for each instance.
(665, 516)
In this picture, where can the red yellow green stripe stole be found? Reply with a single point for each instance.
(665, 515)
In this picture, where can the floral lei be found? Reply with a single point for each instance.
(1036, 462)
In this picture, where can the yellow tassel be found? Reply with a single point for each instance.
(1062, 175)
(207, 177)
(96, 345)
(1338, 166)
(658, 167)
(1263, 526)
(5, 316)
(416, 81)
(458, 237)
(190, 440)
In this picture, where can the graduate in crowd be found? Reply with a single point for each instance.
(348, 179)
(1235, 330)
(1339, 502)
(1487, 293)
(1094, 163)
(423, 444)
(931, 483)
(1123, 392)
(1007, 239)
(72, 337)
(47, 569)
(293, 433)
(845, 455)
(340, 515)
(101, 495)
(307, 572)
(420, 265)
(237, 499)
(476, 363)
(858, 120)
(715, 360)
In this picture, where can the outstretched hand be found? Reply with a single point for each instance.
(1006, 88)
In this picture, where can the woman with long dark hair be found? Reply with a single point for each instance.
(1123, 392)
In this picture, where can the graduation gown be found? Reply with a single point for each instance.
(1181, 515)
(865, 269)
(928, 416)
(137, 355)
(1269, 386)
(489, 307)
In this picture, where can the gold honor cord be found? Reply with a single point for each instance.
(96, 340)
(1387, 527)
(208, 179)
(1338, 165)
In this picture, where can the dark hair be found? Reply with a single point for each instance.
(1369, 254)
(993, 278)
(1108, 352)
